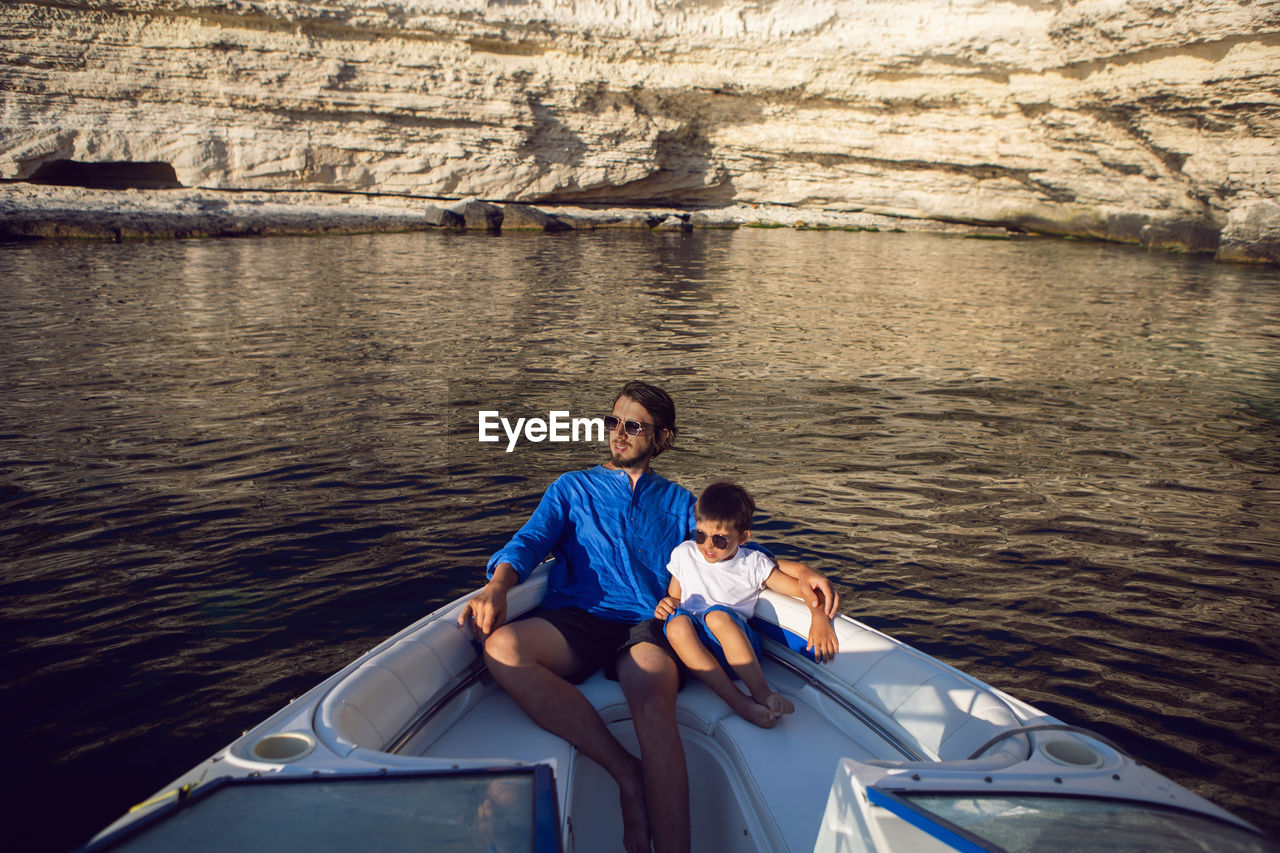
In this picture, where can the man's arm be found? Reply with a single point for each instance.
(538, 535)
(531, 543)
(488, 607)
(815, 589)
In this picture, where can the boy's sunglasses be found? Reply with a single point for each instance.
(717, 539)
(632, 427)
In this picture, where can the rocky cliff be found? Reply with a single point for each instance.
(1156, 121)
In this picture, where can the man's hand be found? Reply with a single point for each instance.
(487, 609)
(666, 607)
(818, 590)
(815, 589)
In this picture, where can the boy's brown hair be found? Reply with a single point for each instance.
(728, 503)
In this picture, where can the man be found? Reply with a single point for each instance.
(612, 529)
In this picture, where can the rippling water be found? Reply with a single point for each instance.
(231, 466)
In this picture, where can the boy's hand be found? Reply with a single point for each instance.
(666, 607)
(822, 638)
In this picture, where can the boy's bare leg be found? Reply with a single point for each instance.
(742, 657)
(526, 658)
(650, 681)
(685, 640)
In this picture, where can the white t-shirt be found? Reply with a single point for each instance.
(735, 582)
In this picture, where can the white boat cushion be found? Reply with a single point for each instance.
(447, 642)
(375, 702)
(860, 649)
(697, 707)
(368, 708)
(417, 667)
(343, 727)
(947, 714)
(791, 767)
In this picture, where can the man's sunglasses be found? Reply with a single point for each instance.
(717, 539)
(632, 427)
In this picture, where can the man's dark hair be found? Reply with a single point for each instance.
(661, 408)
(727, 503)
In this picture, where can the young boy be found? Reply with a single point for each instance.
(713, 592)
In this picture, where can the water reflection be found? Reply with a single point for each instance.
(232, 465)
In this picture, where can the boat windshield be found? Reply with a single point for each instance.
(1016, 823)
(507, 810)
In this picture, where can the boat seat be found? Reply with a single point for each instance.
(496, 728)
(697, 707)
(947, 714)
(796, 800)
(373, 703)
(770, 760)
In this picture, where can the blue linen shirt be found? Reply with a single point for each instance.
(611, 542)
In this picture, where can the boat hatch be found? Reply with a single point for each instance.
(1015, 823)
(507, 809)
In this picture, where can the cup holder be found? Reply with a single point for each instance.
(1071, 753)
(283, 748)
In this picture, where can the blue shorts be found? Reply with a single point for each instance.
(709, 639)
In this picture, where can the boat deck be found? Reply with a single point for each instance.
(876, 730)
(737, 803)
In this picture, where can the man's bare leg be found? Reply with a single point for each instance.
(527, 659)
(649, 681)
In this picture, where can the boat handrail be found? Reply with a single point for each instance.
(381, 674)
(896, 670)
(420, 722)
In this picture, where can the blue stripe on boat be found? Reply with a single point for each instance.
(922, 821)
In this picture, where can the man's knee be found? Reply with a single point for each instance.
(504, 647)
(649, 679)
(529, 642)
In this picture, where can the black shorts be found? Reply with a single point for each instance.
(598, 642)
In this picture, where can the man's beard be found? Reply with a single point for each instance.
(631, 459)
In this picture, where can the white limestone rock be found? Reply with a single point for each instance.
(1145, 121)
(477, 215)
(1252, 234)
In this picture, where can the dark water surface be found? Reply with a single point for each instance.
(231, 466)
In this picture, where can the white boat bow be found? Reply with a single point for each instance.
(412, 746)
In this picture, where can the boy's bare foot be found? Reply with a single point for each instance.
(635, 817)
(777, 704)
(761, 715)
